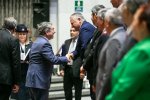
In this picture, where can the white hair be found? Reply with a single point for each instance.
(96, 8)
(77, 15)
(101, 13)
(44, 27)
(114, 16)
(10, 23)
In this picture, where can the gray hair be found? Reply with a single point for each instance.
(101, 13)
(133, 5)
(114, 16)
(96, 8)
(44, 27)
(10, 23)
(77, 15)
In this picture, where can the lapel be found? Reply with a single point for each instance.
(68, 42)
(27, 47)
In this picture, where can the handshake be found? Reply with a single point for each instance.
(70, 57)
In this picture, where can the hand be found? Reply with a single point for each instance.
(94, 88)
(68, 57)
(82, 72)
(71, 55)
(82, 75)
(62, 73)
(15, 88)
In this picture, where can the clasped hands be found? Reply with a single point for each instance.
(69, 56)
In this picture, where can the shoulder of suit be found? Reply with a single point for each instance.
(87, 25)
(68, 40)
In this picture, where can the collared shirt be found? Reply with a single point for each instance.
(72, 48)
(22, 51)
(72, 45)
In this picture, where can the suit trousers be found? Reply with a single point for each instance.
(69, 82)
(38, 94)
(5, 91)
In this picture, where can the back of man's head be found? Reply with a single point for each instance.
(114, 16)
(10, 23)
(96, 8)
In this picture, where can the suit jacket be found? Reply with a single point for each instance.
(25, 64)
(88, 54)
(106, 88)
(130, 79)
(108, 56)
(65, 49)
(77, 62)
(41, 63)
(98, 45)
(85, 34)
(9, 58)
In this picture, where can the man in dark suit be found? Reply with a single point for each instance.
(69, 79)
(86, 31)
(89, 51)
(9, 60)
(41, 63)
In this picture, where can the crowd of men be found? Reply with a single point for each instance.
(103, 54)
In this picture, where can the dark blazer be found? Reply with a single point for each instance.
(65, 49)
(41, 63)
(77, 62)
(69, 78)
(98, 45)
(88, 54)
(9, 58)
(25, 64)
(85, 34)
